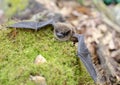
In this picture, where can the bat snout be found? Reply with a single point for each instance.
(60, 35)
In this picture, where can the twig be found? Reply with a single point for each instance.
(110, 23)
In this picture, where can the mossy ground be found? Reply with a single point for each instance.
(17, 55)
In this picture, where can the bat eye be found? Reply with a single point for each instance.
(66, 33)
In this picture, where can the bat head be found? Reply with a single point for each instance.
(63, 31)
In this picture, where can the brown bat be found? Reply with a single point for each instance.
(63, 31)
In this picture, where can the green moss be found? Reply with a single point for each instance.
(12, 6)
(18, 53)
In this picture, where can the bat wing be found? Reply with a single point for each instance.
(31, 24)
(45, 23)
(85, 57)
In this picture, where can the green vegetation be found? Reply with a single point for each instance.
(13, 6)
(17, 55)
